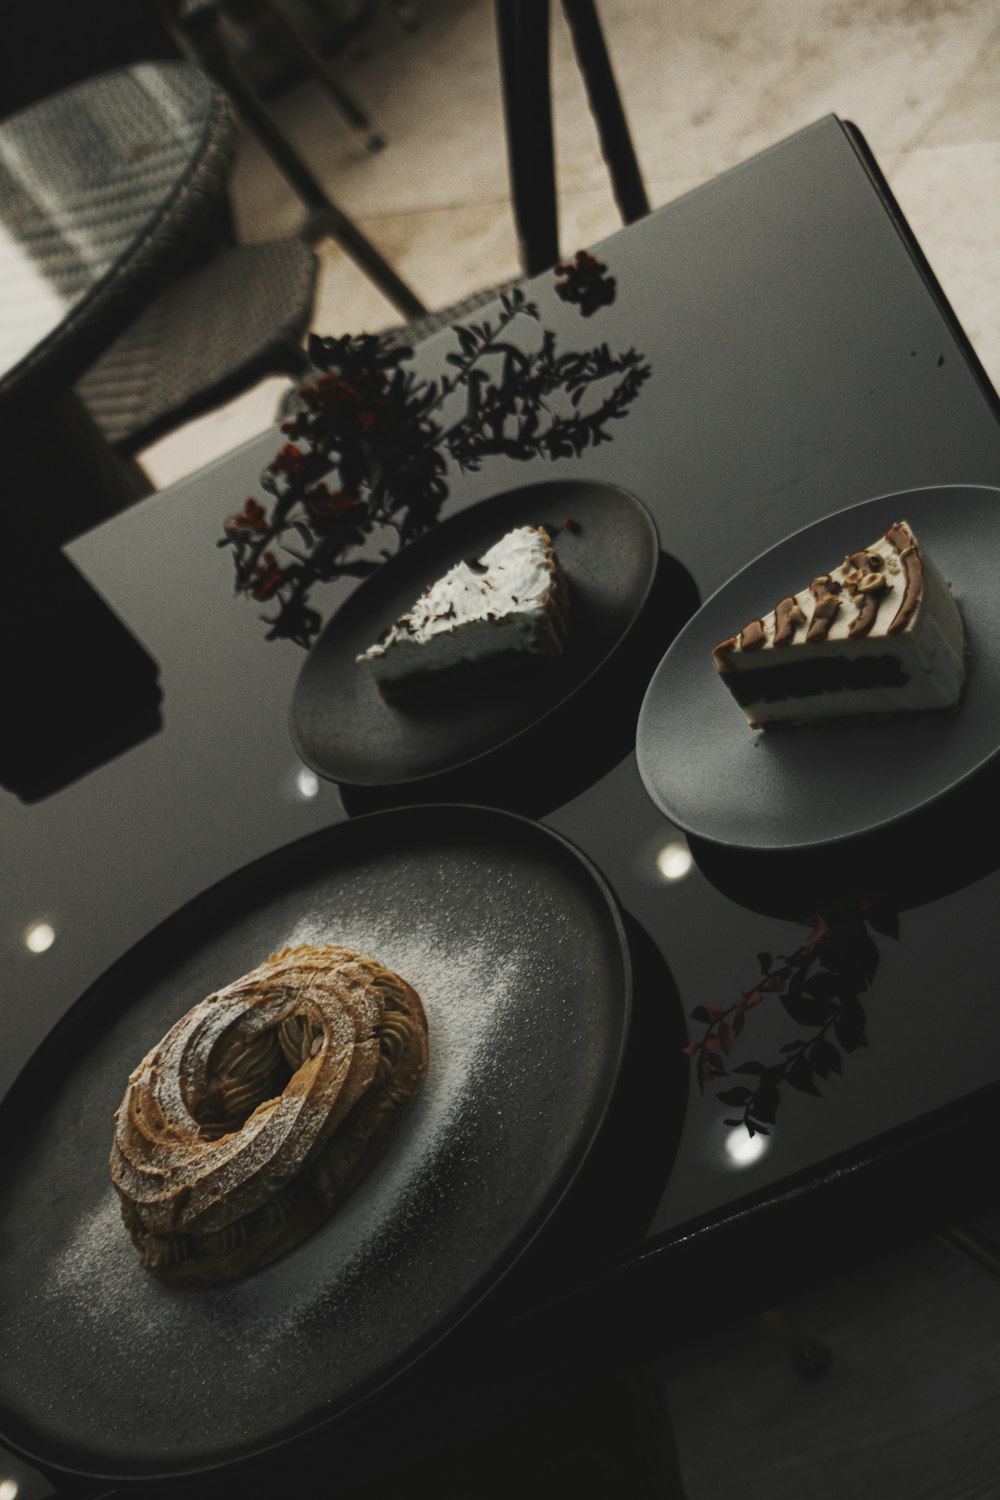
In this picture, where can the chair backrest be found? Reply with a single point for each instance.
(105, 190)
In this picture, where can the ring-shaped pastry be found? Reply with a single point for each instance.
(246, 1126)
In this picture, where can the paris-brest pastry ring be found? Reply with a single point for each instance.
(244, 1128)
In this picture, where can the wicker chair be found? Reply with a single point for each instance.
(205, 339)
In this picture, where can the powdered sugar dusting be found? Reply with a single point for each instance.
(511, 990)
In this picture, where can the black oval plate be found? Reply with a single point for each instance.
(345, 731)
(514, 942)
(815, 784)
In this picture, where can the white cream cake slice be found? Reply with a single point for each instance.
(880, 634)
(512, 599)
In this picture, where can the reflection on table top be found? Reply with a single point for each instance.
(801, 363)
(83, 177)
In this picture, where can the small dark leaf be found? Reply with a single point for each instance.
(825, 1058)
(853, 953)
(823, 985)
(800, 1075)
(884, 920)
(700, 1014)
(793, 1047)
(850, 1026)
(796, 982)
(765, 1104)
(755, 1069)
(733, 1122)
(806, 1011)
(735, 1096)
(764, 959)
(467, 340)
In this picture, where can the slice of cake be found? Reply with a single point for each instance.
(879, 634)
(512, 599)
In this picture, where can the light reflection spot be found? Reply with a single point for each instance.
(37, 939)
(307, 782)
(744, 1149)
(674, 861)
(8, 1489)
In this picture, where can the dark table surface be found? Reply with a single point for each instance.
(88, 179)
(803, 360)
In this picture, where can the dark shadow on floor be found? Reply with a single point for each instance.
(78, 687)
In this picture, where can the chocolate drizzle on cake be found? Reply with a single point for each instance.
(825, 590)
(903, 540)
(878, 634)
(867, 610)
(752, 636)
(788, 616)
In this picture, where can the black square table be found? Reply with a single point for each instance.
(804, 359)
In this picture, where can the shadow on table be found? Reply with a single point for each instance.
(935, 851)
(78, 688)
(615, 1197)
(502, 1363)
(559, 758)
(530, 1337)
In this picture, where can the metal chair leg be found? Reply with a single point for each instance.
(523, 42)
(198, 28)
(606, 107)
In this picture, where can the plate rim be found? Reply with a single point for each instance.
(553, 708)
(310, 1427)
(835, 840)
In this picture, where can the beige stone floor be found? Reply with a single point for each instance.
(706, 83)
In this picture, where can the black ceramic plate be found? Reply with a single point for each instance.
(796, 788)
(516, 947)
(344, 730)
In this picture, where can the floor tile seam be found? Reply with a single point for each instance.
(567, 195)
(900, 171)
(953, 94)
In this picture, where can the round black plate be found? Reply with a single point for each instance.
(795, 788)
(344, 730)
(516, 947)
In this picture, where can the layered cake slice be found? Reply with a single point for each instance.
(512, 599)
(879, 634)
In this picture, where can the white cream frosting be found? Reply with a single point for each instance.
(491, 604)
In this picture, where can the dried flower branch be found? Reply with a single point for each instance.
(368, 446)
(819, 986)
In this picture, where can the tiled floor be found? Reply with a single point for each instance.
(706, 83)
(906, 1411)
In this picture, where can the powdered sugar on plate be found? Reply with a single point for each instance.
(514, 966)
